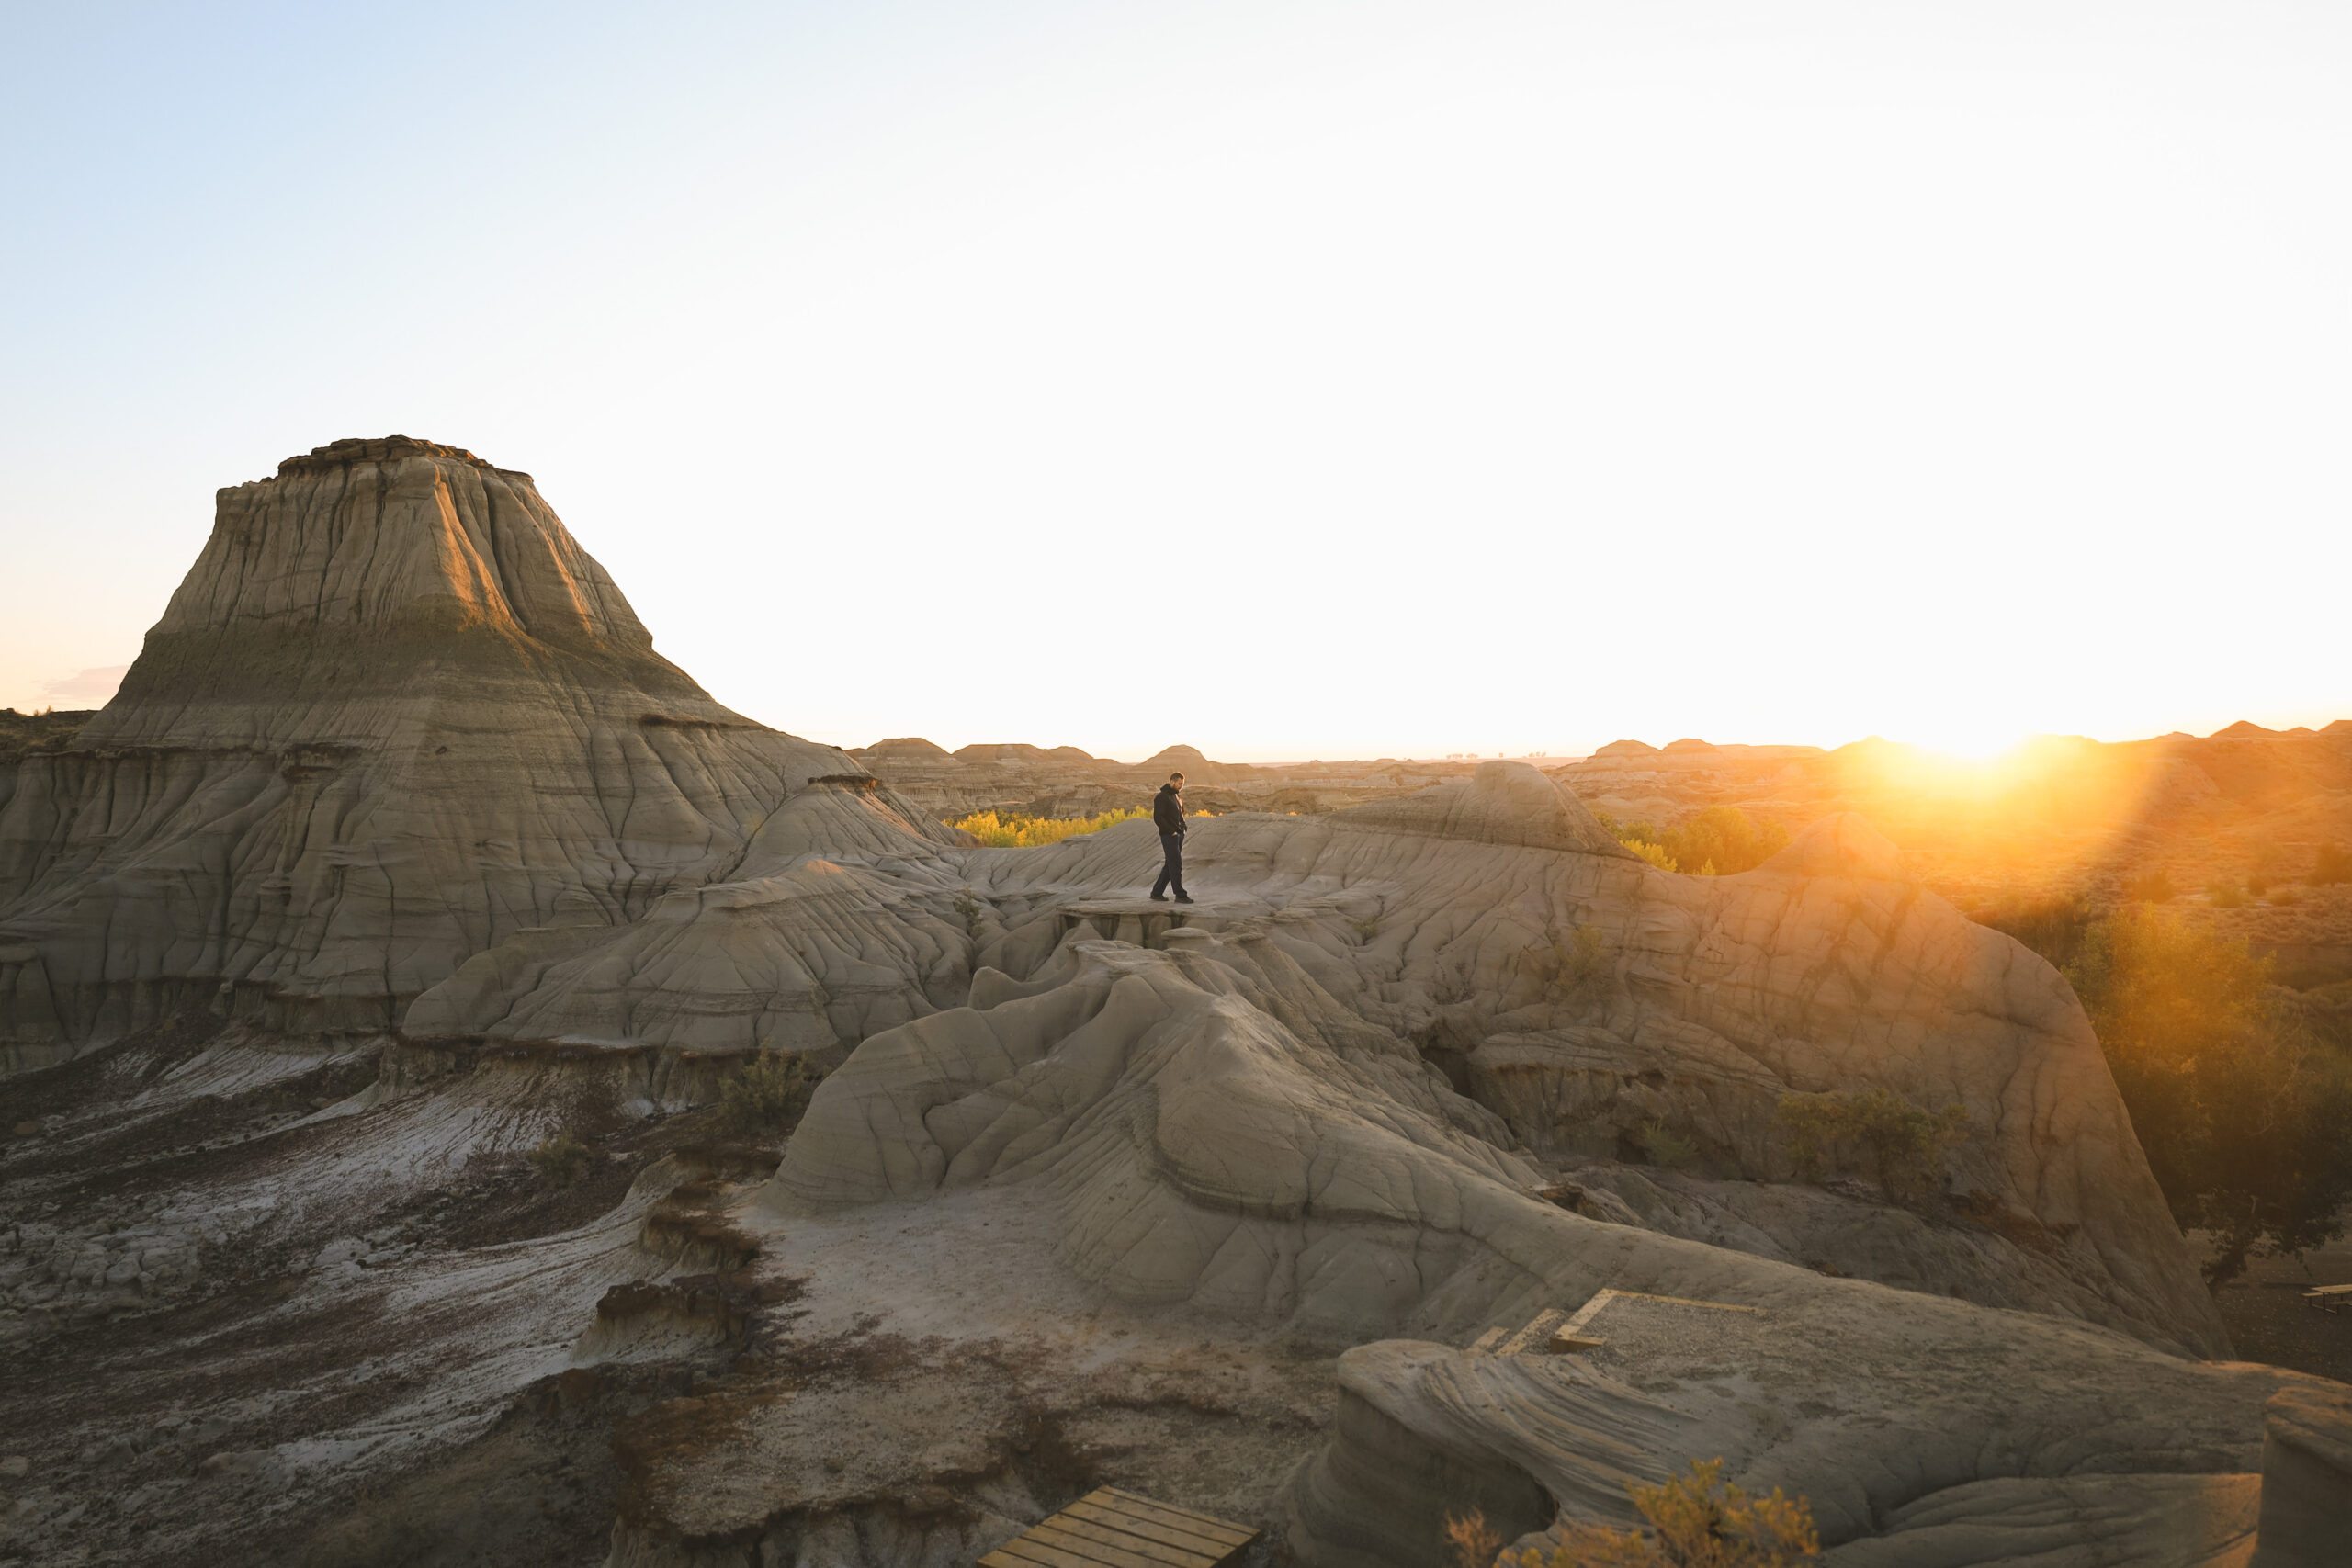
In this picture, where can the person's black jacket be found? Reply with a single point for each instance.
(1168, 811)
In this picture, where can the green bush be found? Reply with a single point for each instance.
(770, 1095)
(2245, 1118)
(2150, 888)
(1872, 1133)
(2225, 894)
(561, 1160)
(967, 909)
(1667, 1147)
(2333, 866)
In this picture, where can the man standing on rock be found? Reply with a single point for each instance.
(1168, 815)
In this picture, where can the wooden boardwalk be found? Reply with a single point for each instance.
(1110, 1529)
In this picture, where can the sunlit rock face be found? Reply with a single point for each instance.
(394, 715)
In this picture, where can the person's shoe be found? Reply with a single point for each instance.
(1161, 898)
(1184, 897)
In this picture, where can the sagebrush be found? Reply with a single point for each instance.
(562, 1159)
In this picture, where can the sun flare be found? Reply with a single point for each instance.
(1981, 741)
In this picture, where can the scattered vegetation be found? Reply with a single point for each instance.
(1874, 1134)
(2150, 888)
(769, 1096)
(1586, 973)
(1692, 1521)
(967, 909)
(2054, 928)
(1367, 927)
(2334, 865)
(1015, 832)
(561, 1160)
(2225, 894)
(1722, 840)
(1666, 1147)
(2244, 1117)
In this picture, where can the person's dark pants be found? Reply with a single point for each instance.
(1172, 846)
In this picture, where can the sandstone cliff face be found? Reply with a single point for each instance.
(394, 715)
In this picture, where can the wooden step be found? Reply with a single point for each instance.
(1112, 1528)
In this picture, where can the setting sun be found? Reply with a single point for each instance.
(1981, 739)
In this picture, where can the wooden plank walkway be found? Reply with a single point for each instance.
(1556, 1332)
(1110, 1529)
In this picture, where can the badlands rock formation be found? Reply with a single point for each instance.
(394, 717)
(401, 854)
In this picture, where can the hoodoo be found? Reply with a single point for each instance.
(394, 715)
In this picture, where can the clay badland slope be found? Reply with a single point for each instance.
(393, 715)
(373, 1206)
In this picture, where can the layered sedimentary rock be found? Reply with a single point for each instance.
(1218, 1202)
(394, 715)
(1452, 922)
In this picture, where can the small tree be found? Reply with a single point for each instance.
(1723, 840)
(1695, 1521)
(2333, 865)
(1877, 1133)
(1657, 854)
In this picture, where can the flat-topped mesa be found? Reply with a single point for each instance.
(357, 449)
(377, 569)
(380, 450)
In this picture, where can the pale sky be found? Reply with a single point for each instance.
(1287, 379)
